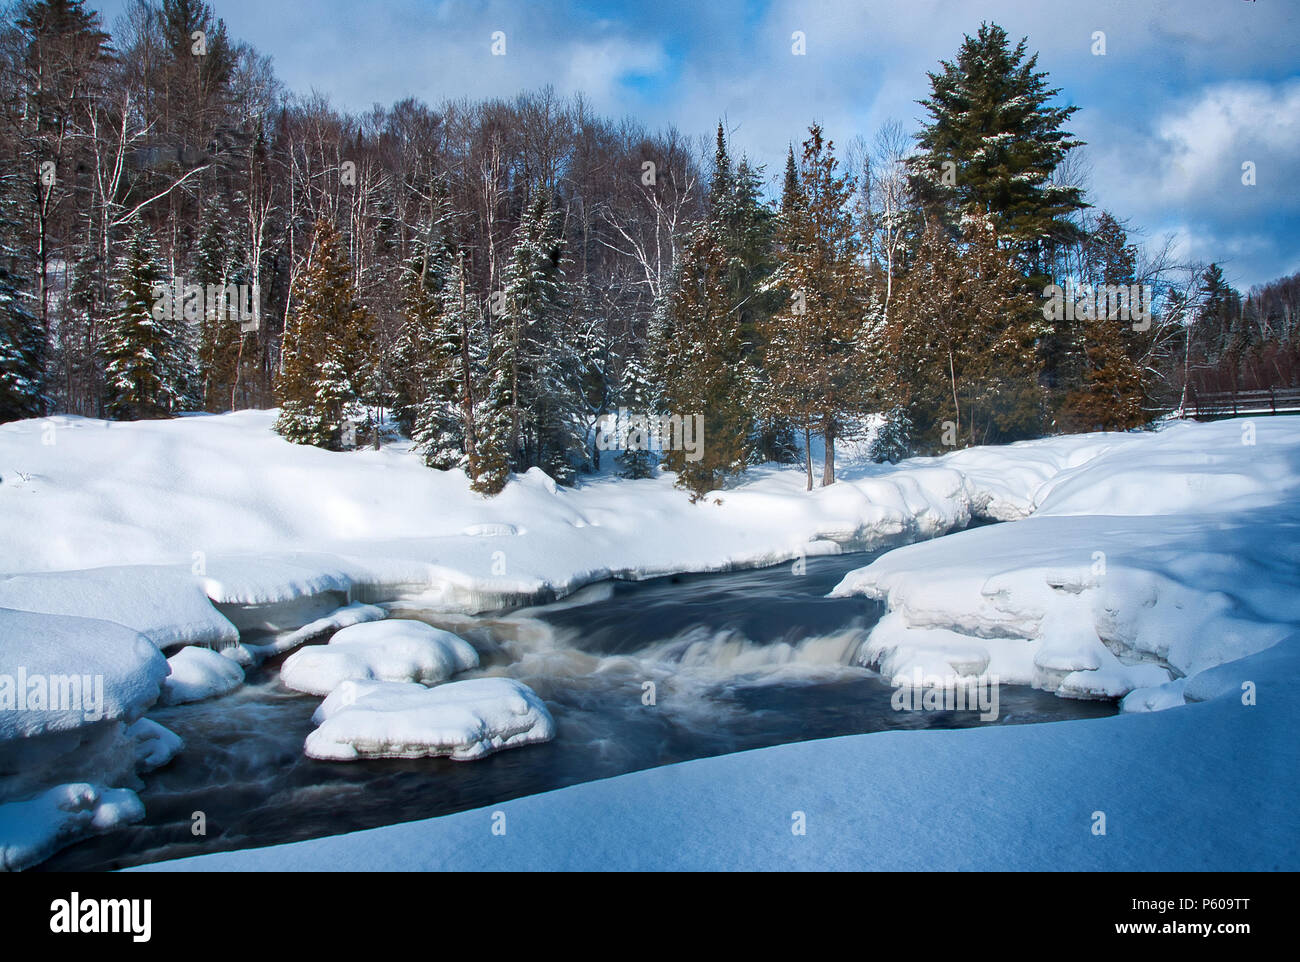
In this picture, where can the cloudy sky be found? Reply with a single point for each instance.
(1187, 91)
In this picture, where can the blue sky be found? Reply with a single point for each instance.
(1187, 91)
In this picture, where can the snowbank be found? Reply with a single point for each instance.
(168, 605)
(32, 831)
(1140, 567)
(1208, 787)
(463, 719)
(395, 650)
(59, 673)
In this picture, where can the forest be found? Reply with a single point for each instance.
(494, 279)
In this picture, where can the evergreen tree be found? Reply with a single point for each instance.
(990, 118)
(1218, 316)
(22, 341)
(820, 346)
(538, 394)
(429, 359)
(326, 349)
(893, 438)
(1107, 394)
(638, 394)
(219, 333)
(967, 326)
(704, 369)
(147, 345)
(747, 230)
(494, 427)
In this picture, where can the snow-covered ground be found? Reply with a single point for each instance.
(1149, 560)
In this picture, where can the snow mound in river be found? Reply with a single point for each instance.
(199, 673)
(394, 650)
(464, 720)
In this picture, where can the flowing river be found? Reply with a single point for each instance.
(636, 674)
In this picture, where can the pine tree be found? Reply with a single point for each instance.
(429, 359)
(147, 345)
(22, 342)
(893, 438)
(494, 428)
(746, 228)
(704, 369)
(326, 349)
(219, 334)
(638, 394)
(1107, 394)
(538, 395)
(990, 119)
(820, 344)
(1217, 318)
(967, 326)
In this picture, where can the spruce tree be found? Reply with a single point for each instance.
(538, 395)
(746, 228)
(991, 120)
(219, 333)
(147, 346)
(22, 342)
(704, 369)
(820, 345)
(638, 394)
(429, 359)
(1108, 391)
(893, 438)
(326, 349)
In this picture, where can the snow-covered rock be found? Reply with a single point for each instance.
(59, 673)
(33, 830)
(463, 720)
(394, 650)
(199, 673)
(155, 745)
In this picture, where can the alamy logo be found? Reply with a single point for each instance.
(624, 431)
(924, 692)
(193, 302)
(1099, 302)
(40, 692)
(73, 916)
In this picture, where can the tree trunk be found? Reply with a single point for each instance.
(828, 465)
(807, 453)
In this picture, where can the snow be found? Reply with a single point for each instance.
(1136, 569)
(155, 745)
(127, 595)
(464, 720)
(1208, 787)
(31, 831)
(395, 650)
(278, 535)
(348, 615)
(199, 673)
(90, 671)
(1163, 568)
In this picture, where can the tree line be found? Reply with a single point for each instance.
(491, 279)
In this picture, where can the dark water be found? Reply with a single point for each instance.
(737, 661)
